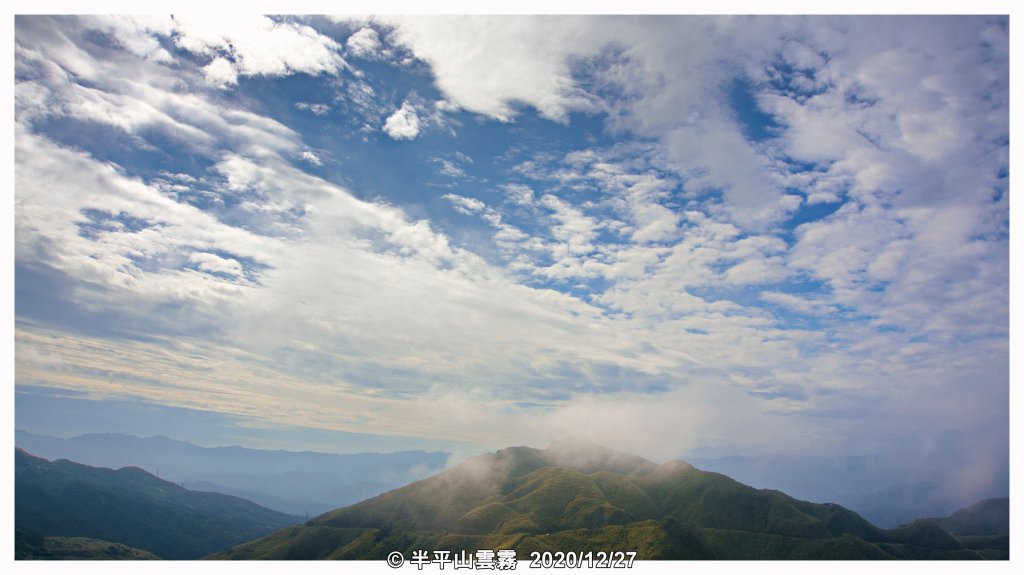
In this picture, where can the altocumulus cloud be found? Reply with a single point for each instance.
(404, 124)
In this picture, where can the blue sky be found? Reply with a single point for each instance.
(669, 235)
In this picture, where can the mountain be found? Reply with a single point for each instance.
(297, 483)
(888, 490)
(582, 497)
(988, 517)
(62, 499)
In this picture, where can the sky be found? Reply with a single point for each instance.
(671, 235)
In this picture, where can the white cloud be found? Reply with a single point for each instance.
(404, 124)
(464, 205)
(519, 194)
(312, 158)
(364, 43)
(526, 60)
(137, 34)
(637, 196)
(449, 168)
(317, 108)
(486, 63)
(221, 73)
(140, 99)
(797, 303)
(213, 263)
(56, 189)
(257, 45)
(573, 228)
(757, 271)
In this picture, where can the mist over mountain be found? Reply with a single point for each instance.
(888, 490)
(579, 496)
(127, 506)
(988, 517)
(298, 483)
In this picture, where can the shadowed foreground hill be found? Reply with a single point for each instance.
(580, 497)
(63, 499)
(28, 546)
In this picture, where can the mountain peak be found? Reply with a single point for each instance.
(675, 466)
(588, 457)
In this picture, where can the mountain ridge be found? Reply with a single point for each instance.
(293, 482)
(65, 499)
(887, 489)
(581, 496)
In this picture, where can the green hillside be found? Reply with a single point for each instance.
(29, 546)
(581, 497)
(129, 506)
(988, 517)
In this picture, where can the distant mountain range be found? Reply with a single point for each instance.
(580, 497)
(125, 508)
(888, 490)
(297, 483)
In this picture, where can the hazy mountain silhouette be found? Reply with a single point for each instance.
(988, 517)
(297, 483)
(580, 497)
(888, 490)
(128, 506)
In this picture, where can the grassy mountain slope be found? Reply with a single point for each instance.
(581, 497)
(130, 506)
(28, 546)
